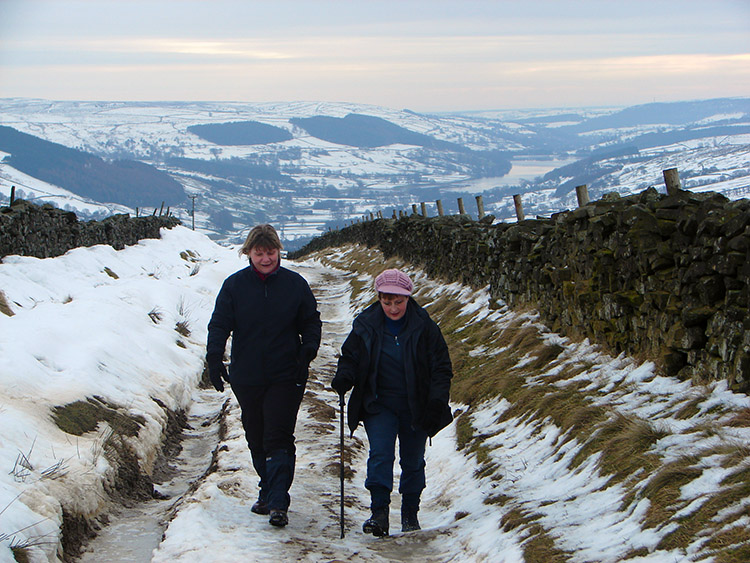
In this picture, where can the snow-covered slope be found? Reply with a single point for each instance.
(126, 329)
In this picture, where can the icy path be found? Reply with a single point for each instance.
(135, 532)
(214, 523)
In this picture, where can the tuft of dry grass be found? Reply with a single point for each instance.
(540, 548)
(740, 420)
(498, 500)
(567, 407)
(623, 443)
(182, 328)
(516, 518)
(464, 430)
(5, 306)
(80, 417)
(189, 255)
(734, 454)
(663, 489)
(110, 273)
(689, 409)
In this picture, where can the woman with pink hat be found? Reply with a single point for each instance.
(396, 362)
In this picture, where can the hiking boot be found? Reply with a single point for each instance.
(377, 524)
(409, 522)
(278, 518)
(260, 507)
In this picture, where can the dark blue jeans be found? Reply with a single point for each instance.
(382, 430)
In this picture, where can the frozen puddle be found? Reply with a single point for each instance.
(133, 533)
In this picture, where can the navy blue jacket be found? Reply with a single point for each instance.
(427, 364)
(270, 322)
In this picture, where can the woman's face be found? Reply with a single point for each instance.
(394, 306)
(264, 260)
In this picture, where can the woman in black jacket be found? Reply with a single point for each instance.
(396, 362)
(272, 316)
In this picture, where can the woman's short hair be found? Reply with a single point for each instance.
(261, 236)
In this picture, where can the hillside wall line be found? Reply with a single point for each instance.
(663, 277)
(45, 231)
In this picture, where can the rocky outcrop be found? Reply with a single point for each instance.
(45, 231)
(651, 275)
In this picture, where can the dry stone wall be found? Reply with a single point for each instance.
(658, 276)
(45, 231)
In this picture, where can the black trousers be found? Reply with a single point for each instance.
(269, 415)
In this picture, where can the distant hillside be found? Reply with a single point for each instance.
(235, 169)
(127, 182)
(240, 133)
(367, 131)
(681, 135)
(674, 113)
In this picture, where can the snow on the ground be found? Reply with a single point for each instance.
(94, 322)
(100, 322)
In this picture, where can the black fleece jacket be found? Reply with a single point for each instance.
(270, 321)
(427, 365)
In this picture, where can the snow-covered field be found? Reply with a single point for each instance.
(346, 181)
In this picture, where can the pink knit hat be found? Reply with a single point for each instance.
(393, 281)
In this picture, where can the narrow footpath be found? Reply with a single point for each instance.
(211, 520)
(215, 522)
(135, 532)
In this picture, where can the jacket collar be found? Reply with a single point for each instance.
(373, 318)
(262, 276)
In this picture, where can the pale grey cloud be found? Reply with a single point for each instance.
(425, 55)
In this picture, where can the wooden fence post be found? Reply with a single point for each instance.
(480, 207)
(424, 209)
(12, 195)
(395, 216)
(582, 192)
(519, 207)
(461, 210)
(413, 208)
(439, 204)
(672, 181)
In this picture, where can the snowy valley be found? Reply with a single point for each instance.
(307, 166)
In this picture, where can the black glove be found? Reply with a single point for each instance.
(306, 355)
(434, 415)
(341, 385)
(217, 372)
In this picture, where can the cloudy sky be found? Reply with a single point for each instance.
(424, 55)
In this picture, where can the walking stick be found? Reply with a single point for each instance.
(341, 461)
